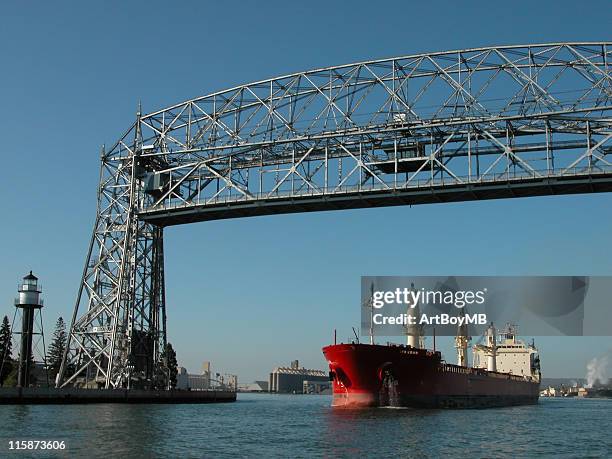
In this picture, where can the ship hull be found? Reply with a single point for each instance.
(376, 375)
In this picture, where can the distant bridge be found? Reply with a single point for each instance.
(462, 125)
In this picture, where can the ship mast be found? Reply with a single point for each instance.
(372, 313)
(491, 348)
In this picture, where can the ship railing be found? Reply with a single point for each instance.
(450, 368)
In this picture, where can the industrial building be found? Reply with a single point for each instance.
(187, 381)
(256, 386)
(290, 380)
(206, 380)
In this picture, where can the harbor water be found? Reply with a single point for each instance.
(263, 425)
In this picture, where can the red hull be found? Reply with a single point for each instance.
(377, 375)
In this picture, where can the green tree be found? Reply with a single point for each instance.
(56, 349)
(169, 365)
(11, 378)
(6, 350)
(10, 367)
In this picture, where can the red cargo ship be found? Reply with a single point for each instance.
(366, 375)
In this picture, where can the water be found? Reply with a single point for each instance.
(261, 425)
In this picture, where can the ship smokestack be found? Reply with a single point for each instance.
(413, 331)
(492, 348)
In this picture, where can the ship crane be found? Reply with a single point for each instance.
(461, 344)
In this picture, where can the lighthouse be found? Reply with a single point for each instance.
(29, 301)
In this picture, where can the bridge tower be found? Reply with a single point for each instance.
(118, 325)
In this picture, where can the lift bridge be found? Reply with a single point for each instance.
(486, 123)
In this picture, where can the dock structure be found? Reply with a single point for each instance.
(46, 396)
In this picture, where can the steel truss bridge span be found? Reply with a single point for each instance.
(461, 125)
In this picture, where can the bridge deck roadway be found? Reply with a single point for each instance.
(593, 182)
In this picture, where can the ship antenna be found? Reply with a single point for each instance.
(356, 335)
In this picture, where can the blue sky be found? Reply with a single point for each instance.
(255, 293)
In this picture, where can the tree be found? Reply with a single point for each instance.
(10, 367)
(6, 350)
(11, 378)
(56, 349)
(169, 365)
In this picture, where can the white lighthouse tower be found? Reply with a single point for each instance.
(29, 301)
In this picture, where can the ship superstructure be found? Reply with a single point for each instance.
(511, 355)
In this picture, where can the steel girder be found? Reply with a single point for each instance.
(460, 125)
(382, 132)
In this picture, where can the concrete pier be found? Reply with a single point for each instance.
(41, 396)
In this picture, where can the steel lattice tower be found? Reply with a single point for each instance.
(123, 330)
